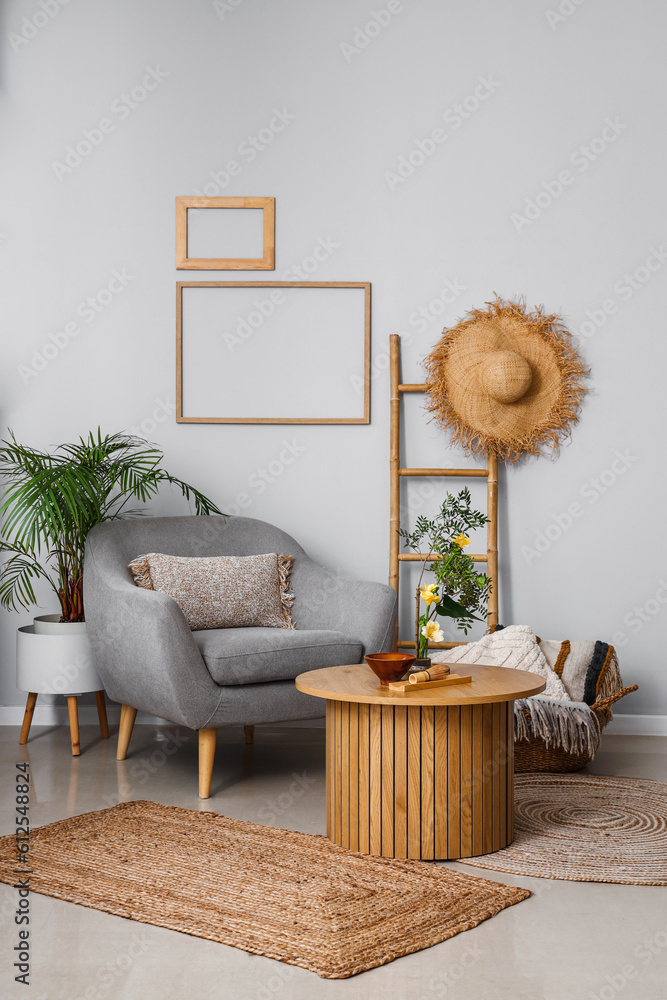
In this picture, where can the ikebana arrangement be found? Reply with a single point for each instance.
(52, 501)
(459, 591)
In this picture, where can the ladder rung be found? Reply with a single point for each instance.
(411, 387)
(464, 473)
(420, 556)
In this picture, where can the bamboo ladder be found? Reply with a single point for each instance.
(396, 473)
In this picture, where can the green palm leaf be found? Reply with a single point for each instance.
(16, 581)
(52, 501)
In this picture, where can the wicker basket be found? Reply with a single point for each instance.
(534, 755)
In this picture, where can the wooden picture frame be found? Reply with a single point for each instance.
(364, 418)
(264, 263)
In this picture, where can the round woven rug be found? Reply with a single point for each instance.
(586, 828)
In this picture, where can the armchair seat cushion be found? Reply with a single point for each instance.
(255, 655)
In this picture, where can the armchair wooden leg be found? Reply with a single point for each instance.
(74, 724)
(127, 717)
(102, 714)
(249, 733)
(27, 718)
(207, 739)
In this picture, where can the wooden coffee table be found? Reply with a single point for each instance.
(428, 774)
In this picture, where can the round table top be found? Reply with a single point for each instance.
(356, 682)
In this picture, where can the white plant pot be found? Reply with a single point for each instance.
(54, 657)
(52, 625)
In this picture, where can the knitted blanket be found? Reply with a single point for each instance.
(553, 716)
(515, 646)
(588, 670)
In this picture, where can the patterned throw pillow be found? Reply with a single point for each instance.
(222, 591)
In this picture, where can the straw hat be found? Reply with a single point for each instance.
(506, 379)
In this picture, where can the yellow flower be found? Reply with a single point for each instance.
(461, 540)
(428, 594)
(433, 631)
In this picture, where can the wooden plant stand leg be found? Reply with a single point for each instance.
(127, 717)
(249, 733)
(102, 714)
(27, 718)
(74, 724)
(207, 740)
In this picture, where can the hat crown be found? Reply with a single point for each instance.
(506, 376)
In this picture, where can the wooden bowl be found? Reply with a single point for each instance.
(389, 667)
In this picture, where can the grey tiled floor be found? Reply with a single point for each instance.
(570, 941)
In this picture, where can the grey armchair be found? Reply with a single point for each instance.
(149, 659)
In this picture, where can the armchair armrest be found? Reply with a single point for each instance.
(144, 651)
(361, 609)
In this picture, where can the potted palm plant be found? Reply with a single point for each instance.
(51, 502)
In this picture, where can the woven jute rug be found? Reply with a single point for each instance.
(586, 828)
(290, 896)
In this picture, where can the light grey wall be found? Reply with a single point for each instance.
(343, 106)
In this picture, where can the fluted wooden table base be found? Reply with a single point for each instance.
(420, 781)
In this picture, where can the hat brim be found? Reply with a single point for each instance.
(539, 419)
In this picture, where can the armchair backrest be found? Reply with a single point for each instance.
(116, 543)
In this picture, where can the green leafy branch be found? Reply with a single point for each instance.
(460, 592)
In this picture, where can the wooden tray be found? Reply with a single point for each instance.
(403, 686)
